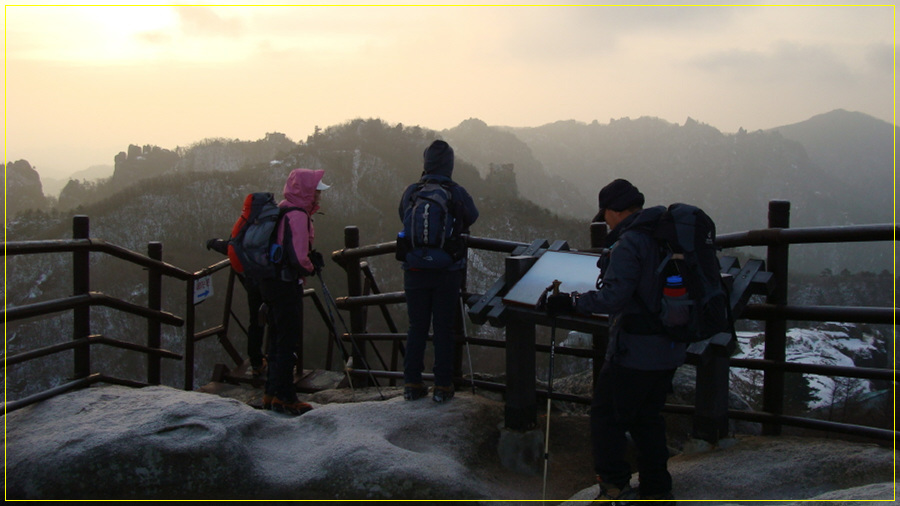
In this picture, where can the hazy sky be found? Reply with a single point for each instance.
(81, 83)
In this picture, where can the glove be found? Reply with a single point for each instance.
(560, 303)
(317, 260)
(217, 244)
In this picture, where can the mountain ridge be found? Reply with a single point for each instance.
(561, 165)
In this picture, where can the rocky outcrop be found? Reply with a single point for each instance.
(23, 188)
(157, 443)
(160, 443)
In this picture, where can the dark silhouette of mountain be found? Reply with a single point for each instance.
(94, 173)
(23, 188)
(855, 149)
(732, 176)
(489, 149)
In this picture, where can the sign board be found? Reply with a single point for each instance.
(576, 270)
(203, 289)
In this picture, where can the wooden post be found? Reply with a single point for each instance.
(521, 347)
(81, 285)
(189, 324)
(520, 412)
(459, 330)
(710, 421)
(154, 301)
(354, 288)
(776, 328)
(229, 302)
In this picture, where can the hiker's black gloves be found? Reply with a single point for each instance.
(560, 303)
(317, 260)
(219, 245)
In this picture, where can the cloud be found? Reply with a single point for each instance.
(787, 62)
(880, 57)
(205, 21)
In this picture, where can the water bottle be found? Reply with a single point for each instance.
(676, 305)
(275, 253)
(403, 246)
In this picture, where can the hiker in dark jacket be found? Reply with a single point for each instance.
(631, 389)
(432, 295)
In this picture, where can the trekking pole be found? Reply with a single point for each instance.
(462, 307)
(555, 288)
(329, 302)
(238, 321)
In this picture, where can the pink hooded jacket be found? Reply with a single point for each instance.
(300, 191)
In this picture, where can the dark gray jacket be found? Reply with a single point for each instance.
(630, 273)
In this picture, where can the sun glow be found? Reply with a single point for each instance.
(104, 34)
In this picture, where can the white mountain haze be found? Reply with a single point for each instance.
(550, 194)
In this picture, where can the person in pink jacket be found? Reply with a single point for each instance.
(284, 294)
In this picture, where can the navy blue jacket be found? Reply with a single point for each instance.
(631, 272)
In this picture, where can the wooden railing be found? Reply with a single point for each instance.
(83, 298)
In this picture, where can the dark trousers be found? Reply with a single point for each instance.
(285, 301)
(254, 328)
(630, 400)
(432, 300)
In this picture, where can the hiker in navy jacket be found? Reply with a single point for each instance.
(631, 389)
(432, 295)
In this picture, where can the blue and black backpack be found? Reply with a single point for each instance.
(255, 245)
(686, 236)
(431, 234)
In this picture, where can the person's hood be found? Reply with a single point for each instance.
(438, 159)
(300, 189)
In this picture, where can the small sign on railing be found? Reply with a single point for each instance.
(203, 289)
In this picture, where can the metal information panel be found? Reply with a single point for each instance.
(576, 270)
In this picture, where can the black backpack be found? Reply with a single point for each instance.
(694, 299)
(431, 237)
(255, 244)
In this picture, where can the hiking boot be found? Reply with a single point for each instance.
(267, 401)
(413, 391)
(295, 408)
(665, 499)
(442, 394)
(616, 496)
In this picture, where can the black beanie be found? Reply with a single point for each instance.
(619, 196)
(439, 159)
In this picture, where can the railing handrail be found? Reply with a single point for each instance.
(89, 299)
(94, 245)
(758, 237)
(809, 235)
(341, 256)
